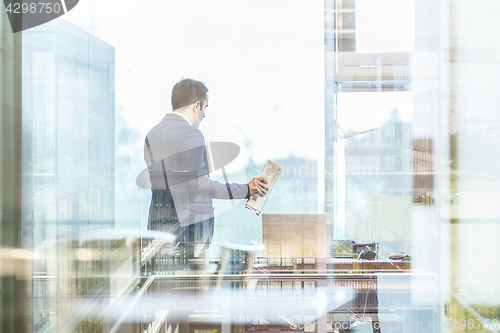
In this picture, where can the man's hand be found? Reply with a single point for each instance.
(258, 185)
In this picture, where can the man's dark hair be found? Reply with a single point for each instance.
(188, 91)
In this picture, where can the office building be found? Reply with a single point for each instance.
(68, 146)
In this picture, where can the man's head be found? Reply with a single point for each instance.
(190, 97)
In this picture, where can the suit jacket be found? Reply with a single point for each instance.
(175, 154)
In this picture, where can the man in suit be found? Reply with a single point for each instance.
(182, 190)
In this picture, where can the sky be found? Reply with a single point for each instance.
(262, 62)
(376, 22)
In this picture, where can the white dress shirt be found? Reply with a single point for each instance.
(183, 116)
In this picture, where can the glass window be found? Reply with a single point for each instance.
(133, 135)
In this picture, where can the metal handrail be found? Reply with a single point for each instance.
(273, 277)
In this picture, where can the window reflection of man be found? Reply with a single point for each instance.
(182, 190)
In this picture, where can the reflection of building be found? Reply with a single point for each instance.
(374, 181)
(376, 185)
(349, 71)
(379, 185)
(68, 163)
(380, 161)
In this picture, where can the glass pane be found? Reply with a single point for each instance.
(134, 138)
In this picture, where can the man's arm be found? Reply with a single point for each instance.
(193, 144)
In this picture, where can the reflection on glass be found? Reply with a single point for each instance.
(67, 170)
